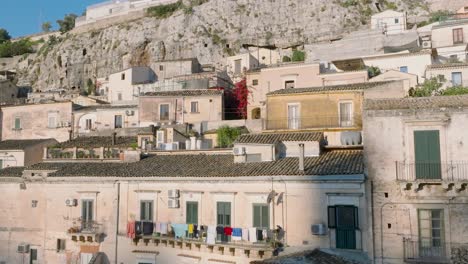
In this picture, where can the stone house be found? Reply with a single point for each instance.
(415, 164)
(179, 107)
(103, 119)
(20, 153)
(409, 80)
(170, 68)
(389, 22)
(37, 121)
(8, 92)
(334, 109)
(291, 75)
(450, 39)
(97, 201)
(451, 74)
(122, 84)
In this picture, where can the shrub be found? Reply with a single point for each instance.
(163, 11)
(68, 23)
(10, 49)
(455, 90)
(4, 35)
(227, 135)
(428, 88)
(286, 59)
(298, 55)
(373, 71)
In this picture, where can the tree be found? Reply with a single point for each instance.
(298, 55)
(4, 35)
(67, 24)
(90, 86)
(227, 135)
(430, 87)
(46, 26)
(241, 94)
(373, 71)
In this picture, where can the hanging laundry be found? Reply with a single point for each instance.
(131, 229)
(190, 228)
(179, 230)
(236, 234)
(138, 228)
(219, 230)
(211, 235)
(245, 234)
(259, 235)
(147, 228)
(195, 230)
(253, 234)
(163, 228)
(228, 230)
(265, 234)
(157, 227)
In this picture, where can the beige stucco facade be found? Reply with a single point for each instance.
(38, 225)
(37, 121)
(409, 80)
(449, 74)
(297, 75)
(389, 22)
(400, 199)
(121, 84)
(209, 108)
(25, 156)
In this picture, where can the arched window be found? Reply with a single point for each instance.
(256, 113)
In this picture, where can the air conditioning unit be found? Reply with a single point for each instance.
(173, 203)
(426, 44)
(319, 229)
(71, 202)
(173, 193)
(23, 248)
(130, 112)
(239, 151)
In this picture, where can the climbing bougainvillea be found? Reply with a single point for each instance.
(241, 94)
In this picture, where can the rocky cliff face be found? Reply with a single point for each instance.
(210, 31)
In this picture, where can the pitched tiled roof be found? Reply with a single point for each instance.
(20, 144)
(96, 142)
(332, 162)
(457, 101)
(12, 172)
(315, 256)
(186, 93)
(447, 66)
(332, 88)
(271, 138)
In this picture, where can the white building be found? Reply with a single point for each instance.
(389, 22)
(122, 84)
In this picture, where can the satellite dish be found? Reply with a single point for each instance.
(271, 196)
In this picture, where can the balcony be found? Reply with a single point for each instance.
(424, 252)
(452, 175)
(86, 231)
(314, 122)
(223, 246)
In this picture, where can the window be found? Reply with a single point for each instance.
(223, 212)
(33, 256)
(161, 67)
(441, 78)
(146, 211)
(118, 121)
(52, 120)
(122, 76)
(346, 114)
(431, 232)
(427, 154)
(289, 84)
(457, 35)
(457, 78)
(160, 137)
(345, 219)
(261, 216)
(194, 107)
(192, 213)
(164, 112)
(87, 214)
(397, 21)
(60, 245)
(293, 116)
(253, 158)
(17, 123)
(254, 82)
(237, 66)
(89, 124)
(404, 69)
(119, 97)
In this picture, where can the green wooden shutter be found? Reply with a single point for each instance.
(17, 123)
(224, 213)
(261, 216)
(427, 154)
(192, 213)
(265, 217)
(331, 217)
(256, 215)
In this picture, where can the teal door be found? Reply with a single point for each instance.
(223, 210)
(346, 225)
(427, 154)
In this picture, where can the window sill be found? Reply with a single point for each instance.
(16, 129)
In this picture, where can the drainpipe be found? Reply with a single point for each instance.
(117, 223)
(301, 157)
(114, 138)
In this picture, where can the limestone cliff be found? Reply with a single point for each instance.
(209, 31)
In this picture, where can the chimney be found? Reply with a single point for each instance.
(301, 157)
(114, 138)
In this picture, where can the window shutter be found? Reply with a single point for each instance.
(256, 216)
(356, 218)
(331, 217)
(265, 216)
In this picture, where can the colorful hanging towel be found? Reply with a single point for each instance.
(228, 231)
(179, 230)
(211, 235)
(245, 234)
(253, 234)
(190, 228)
(236, 234)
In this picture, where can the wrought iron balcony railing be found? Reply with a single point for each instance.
(425, 251)
(444, 171)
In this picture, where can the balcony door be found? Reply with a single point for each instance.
(346, 114)
(223, 212)
(87, 215)
(118, 121)
(457, 79)
(427, 154)
(293, 116)
(431, 233)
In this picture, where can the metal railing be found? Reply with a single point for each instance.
(312, 122)
(448, 171)
(430, 251)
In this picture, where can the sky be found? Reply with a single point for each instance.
(24, 17)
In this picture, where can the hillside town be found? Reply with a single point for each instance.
(352, 150)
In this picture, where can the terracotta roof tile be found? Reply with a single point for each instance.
(20, 144)
(96, 142)
(457, 101)
(447, 66)
(331, 88)
(271, 138)
(186, 93)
